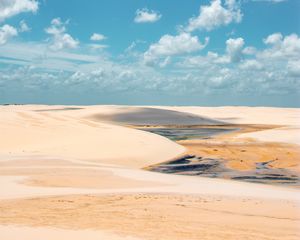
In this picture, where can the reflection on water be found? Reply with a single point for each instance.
(176, 134)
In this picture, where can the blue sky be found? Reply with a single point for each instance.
(194, 52)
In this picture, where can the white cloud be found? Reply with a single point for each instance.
(60, 39)
(251, 64)
(291, 45)
(234, 48)
(97, 37)
(165, 62)
(281, 47)
(249, 50)
(38, 55)
(7, 32)
(56, 21)
(169, 45)
(9, 8)
(215, 15)
(38, 68)
(24, 27)
(273, 39)
(98, 46)
(146, 16)
(294, 68)
(274, 69)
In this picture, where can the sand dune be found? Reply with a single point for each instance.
(26, 132)
(66, 167)
(153, 116)
(244, 115)
(289, 134)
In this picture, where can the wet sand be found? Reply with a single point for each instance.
(217, 152)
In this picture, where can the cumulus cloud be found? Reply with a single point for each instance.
(97, 37)
(274, 69)
(273, 39)
(294, 68)
(189, 71)
(251, 64)
(7, 32)
(146, 16)
(281, 47)
(169, 45)
(234, 48)
(9, 8)
(60, 39)
(208, 61)
(283, 52)
(215, 15)
(165, 62)
(249, 51)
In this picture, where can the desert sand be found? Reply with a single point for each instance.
(77, 172)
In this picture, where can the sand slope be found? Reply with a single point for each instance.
(27, 132)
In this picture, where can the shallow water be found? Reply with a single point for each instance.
(216, 168)
(176, 134)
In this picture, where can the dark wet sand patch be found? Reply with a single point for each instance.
(268, 163)
(216, 168)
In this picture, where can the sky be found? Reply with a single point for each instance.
(150, 52)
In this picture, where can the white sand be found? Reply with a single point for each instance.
(60, 134)
(76, 140)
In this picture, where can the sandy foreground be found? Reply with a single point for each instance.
(75, 172)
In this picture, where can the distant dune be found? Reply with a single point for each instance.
(154, 116)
